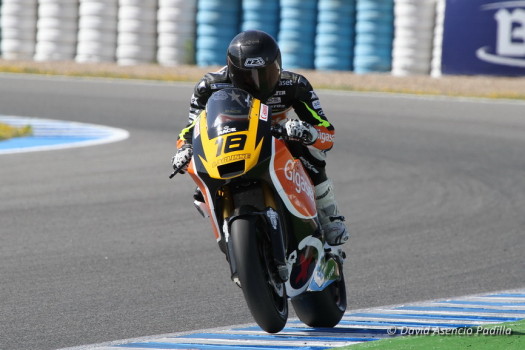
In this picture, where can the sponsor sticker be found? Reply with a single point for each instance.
(219, 86)
(197, 129)
(326, 137)
(297, 188)
(299, 179)
(263, 115)
(254, 62)
(226, 130)
(231, 158)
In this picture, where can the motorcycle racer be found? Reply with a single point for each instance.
(254, 65)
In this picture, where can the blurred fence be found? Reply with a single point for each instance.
(401, 37)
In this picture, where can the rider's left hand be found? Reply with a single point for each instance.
(298, 130)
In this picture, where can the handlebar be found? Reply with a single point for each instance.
(278, 131)
(172, 175)
(176, 171)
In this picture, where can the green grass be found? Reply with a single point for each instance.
(8, 131)
(476, 340)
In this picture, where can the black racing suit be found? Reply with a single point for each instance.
(293, 92)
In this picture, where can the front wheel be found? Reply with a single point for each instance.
(265, 296)
(324, 308)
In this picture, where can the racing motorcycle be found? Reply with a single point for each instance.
(261, 205)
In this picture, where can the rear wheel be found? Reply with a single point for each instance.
(324, 308)
(264, 294)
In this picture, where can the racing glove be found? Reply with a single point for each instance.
(298, 130)
(182, 158)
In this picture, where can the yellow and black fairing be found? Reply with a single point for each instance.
(232, 149)
(231, 135)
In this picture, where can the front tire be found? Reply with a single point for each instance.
(266, 297)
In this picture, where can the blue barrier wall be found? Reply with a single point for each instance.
(262, 15)
(374, 35)
(297, 33)
(335, 35)
(484, 37)
(218, 22)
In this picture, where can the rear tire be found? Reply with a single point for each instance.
(266, 298)
(324, 308)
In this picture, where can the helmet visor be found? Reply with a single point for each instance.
(259, 82)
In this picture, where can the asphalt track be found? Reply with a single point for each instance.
(96, 244)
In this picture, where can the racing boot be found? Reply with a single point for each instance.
(332, 222)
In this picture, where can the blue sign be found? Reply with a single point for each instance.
(484, 37)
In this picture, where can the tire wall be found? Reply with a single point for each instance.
(374, 35)
(218, 21)
(97, 31)
(297, 30)
(401, 37)
(414, 33)
(18, 27)
(56, 30)
(136, 31)
(335, 35)
(435, 63)
(176, 32)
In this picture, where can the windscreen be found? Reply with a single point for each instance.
(227, 111)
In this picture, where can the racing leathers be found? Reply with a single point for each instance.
(293, 94)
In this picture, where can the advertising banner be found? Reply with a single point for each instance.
(485, 37)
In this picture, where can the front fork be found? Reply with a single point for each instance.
(270, 218)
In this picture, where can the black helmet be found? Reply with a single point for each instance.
(254, 63)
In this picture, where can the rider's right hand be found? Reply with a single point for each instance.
(182, 158)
